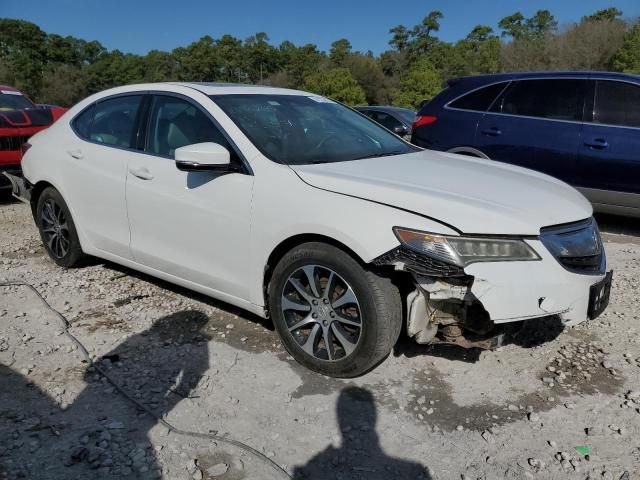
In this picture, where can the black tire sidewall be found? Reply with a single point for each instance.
(363, 357)
(75, 251)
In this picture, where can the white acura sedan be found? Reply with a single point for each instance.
(298, 208)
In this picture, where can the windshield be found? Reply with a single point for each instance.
(297, 129)
(10, 100)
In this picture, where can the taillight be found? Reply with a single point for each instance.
(421, 120)
(25, 146)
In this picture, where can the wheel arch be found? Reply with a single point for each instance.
(288, 244)
(471, 151)
(37, 190)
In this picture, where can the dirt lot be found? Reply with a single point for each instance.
(203, 366)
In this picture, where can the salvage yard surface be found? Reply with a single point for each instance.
(203, 366)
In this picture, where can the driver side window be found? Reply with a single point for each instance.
(175, 122)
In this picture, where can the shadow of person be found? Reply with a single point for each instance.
(360, 456)
(102, 434)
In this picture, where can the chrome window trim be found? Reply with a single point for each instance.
(637, 84)
(448, 107)
(152, 93)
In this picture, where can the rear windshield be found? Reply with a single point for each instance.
(298, 129)
(10, 100)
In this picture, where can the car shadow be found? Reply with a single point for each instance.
(360, 455)
(121, 271)
(526, 334)
(618, 225)
(101, 434)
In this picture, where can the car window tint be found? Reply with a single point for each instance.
(480, 99)
(175, 122)
(617, 103)
(114, 122)
(82, 122)
(558, 99)
(386, 120)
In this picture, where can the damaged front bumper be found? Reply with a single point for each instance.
(483, 304)
(20, 186)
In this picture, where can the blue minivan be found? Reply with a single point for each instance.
(581, 127)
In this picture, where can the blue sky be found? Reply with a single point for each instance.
(138, 26)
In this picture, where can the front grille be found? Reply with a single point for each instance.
(577, 246)
(12, 143)
(418, 263)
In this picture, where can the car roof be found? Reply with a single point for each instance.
(219, 88)
(383, 108)
(551, 74)
(8, 88)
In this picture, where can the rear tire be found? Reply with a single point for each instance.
(345, 323)
(57, 229)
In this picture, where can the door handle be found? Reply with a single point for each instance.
(597, 144)
(492, 132)
(141, 172)
(77, 153)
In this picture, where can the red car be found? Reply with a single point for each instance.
(20, 118)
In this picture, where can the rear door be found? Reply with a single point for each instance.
(536, 123)
(610, 151)
(106, 134)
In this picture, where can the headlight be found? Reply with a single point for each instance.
(462, 251)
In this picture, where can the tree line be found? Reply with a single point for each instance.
(62, 70)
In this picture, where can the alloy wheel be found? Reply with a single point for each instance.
(322, 313)
(55, 228)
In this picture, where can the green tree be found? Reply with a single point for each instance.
(262, 57)
(421, 83)
(303, 61)
(336, 83)
(160, 66)
(627, 59)
(513, 25)
(198, 61)
(63, 84)
(607, 14)
(339, 51)
(422, 38)
(541, 24)
(518, 27)
(400, 37)
(367, 71)
(22, 52)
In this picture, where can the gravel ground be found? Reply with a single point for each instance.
(203, 366)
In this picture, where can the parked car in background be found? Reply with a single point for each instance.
(20, 118)
(581, 127)
(297, 208)
(396, 119)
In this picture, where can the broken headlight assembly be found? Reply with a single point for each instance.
(462, 251)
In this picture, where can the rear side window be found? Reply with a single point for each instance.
(111, 122)
(557, 99)
(386, 120)
(175, 122)
(82, 123)
(617, 103)
(479, 100)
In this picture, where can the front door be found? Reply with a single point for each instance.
(193, 225)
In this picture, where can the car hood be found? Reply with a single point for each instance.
(474, 196)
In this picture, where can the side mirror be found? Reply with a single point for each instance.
(203, 157)
(401, 130)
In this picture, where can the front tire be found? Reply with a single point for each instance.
(333, 316)
(57, 230)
